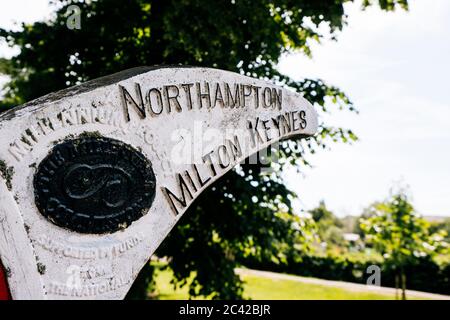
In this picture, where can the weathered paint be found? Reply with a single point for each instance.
(157, 111)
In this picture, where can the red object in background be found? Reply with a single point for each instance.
(4, 291)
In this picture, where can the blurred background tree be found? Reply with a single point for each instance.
(330, 228)
(401, 235)
(441, 225)
(241, 212)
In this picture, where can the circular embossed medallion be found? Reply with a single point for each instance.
(94, 185)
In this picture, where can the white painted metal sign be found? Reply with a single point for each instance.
(94, 177)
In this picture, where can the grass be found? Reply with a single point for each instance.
(272, 289)
(166, 290)
(275, 289)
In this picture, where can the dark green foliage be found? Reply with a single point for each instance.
(223, 225)
(144, 284)
(246, 36)
(322, 213)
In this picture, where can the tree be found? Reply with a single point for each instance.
(328, 225)
(442, 225)
(245, 36)
(322, 213)
(401, 235)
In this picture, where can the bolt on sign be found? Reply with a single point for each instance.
(94, 177)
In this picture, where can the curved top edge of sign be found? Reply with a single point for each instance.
(87, 86)
(97, 83)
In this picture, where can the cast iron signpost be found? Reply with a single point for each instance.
(94, 177)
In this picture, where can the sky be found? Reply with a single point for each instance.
(394, 67)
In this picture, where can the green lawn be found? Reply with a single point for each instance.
(271, 289)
